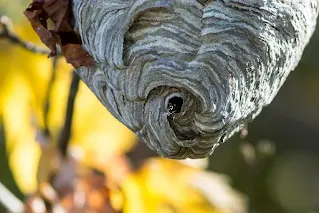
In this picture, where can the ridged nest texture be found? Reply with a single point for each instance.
(184, 75)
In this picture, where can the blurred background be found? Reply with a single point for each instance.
(270, 167)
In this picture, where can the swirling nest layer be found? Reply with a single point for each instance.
(185, 74)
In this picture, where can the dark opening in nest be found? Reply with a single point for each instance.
(175, 105)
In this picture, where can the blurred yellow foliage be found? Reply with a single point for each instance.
(166, 186)
(23, 86)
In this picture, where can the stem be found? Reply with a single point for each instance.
(9, 201)
(139, 154)
(6, 33)
(47, 103)
(66, 131)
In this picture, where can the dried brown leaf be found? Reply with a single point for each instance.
(87, 193)
(38, 19)
(58, 11)
(76, 55)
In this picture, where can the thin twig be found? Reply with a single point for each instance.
(66, 131)
(139, 154)
(8, 34)
(47, 103)
(9, 201)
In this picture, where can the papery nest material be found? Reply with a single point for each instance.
(185, 75)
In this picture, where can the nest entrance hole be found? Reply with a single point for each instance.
(175, 105)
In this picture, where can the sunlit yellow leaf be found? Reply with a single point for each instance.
(164, 186)
(24, 164)
(99, 134)
(22, 148)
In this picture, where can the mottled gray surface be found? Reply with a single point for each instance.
(184, 75)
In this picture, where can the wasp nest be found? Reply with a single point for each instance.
(184, 75)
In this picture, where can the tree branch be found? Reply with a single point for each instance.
(9, 201)
(8, 34)
(66, 131)
(47, 103)
(139, 154)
